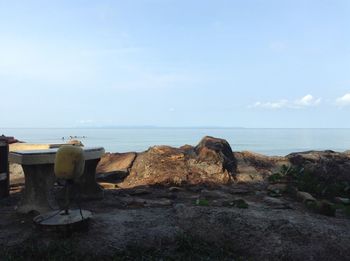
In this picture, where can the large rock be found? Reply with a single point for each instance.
(210, 162)
(114, 162)
(254, 167)
(113, 167)
(327, 164)
(326, 173)
(215, 154)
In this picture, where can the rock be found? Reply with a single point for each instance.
(217, 194)
(115, 163)
(211, 150)
(276, 203)
(323, 207)
(113, 177)
(277, 189)
(138, 192)
(106, 185)
(345, 201)
(326, 173)
(305, 197)
(254, 167)
(210, 162)
(239, 203)
(175, 189)
(158, 202)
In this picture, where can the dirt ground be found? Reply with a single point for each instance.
(194, 223)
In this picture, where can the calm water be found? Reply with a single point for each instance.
(267, 141)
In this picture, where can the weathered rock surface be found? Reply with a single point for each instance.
(16, 173)
(211, 161)
(325, 165)
(115, 162)
(254, 167)
(304, 196)
(325, 173)
(115, 166)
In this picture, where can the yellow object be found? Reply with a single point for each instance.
(69, 162)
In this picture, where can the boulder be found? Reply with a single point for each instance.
(210, 162)
(326, 165)
(325, 173)
(215, 152)
(305, 197)
(115, 165)
(254, 167)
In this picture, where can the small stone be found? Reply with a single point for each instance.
(158, 203)
(106, 185)
(276, 203)
(305, 197)
(279, 187)
(175, 189)
(276, 190)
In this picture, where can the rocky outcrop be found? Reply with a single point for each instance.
(211, 161)
(325, 173)
(327, 165)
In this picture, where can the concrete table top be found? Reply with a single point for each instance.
(47, 156)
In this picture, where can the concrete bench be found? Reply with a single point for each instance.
(38, 168)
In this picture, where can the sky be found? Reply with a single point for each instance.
(175, 63)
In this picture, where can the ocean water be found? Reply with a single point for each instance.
(267, 141)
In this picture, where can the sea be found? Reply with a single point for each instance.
(277, 142)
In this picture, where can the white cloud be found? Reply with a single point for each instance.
(344, 100)
(306, 101)
(271, 105)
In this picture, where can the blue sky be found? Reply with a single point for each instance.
(255, 63)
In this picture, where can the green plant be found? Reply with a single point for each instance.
(202, 202)
(240, 203)
(309, 181)
(275, 177)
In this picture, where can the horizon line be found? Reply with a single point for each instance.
(170, 127)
